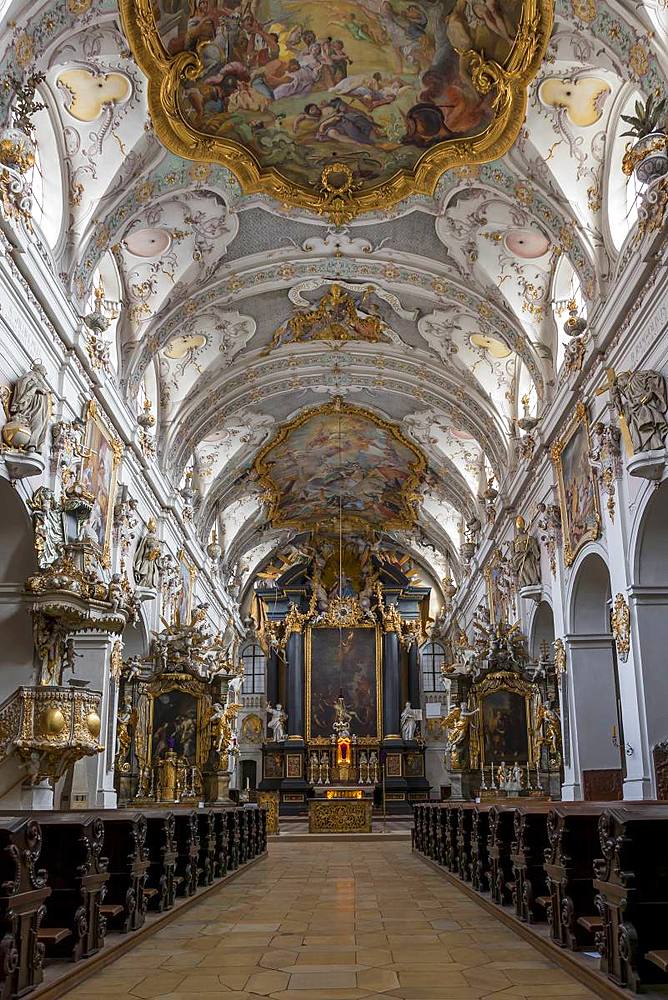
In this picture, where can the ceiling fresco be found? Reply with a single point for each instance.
(341, 464)
(435, 305)
(351, 100)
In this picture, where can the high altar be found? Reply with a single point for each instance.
(343, 664)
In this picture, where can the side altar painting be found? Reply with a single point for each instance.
(578, 490)
(367, 84)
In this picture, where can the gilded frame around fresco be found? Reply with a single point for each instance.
(341, 199)
(408, 495)
(505, 681)
(364, 740)
(93, 421)
(579, 420)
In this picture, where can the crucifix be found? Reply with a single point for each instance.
(609, 386)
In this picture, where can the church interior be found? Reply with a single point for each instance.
(333, 499)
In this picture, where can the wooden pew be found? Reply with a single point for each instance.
(465, 812)
(72, 853)
(161, 847)
(187, 852)
(573, 842)
(262, 829)
(450, 836)
(221, 828)
(206, 819)
(125, 847)
(631, 885)
(233, 839)
(480, 867)
(23, 893)
(501, 830)
(528, 858)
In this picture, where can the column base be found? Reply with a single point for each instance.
(636, 789)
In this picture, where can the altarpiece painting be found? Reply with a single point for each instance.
(578, 489)
(99, 468)
(343, 662)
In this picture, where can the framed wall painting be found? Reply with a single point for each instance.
(577, 485)
(187, 577)
(343, 662)
(99, 476)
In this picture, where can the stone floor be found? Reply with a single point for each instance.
(327, 921)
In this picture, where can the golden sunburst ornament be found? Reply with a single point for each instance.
(341, 107)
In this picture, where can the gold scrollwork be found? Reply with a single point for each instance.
(620, 620)
(340, 816)
(337, 192)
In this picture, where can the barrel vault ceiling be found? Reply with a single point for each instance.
(460, 288)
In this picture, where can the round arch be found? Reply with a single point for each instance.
(17, 562)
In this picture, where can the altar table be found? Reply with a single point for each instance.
(339, 816)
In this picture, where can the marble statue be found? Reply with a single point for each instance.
(146, 562)
(409, 720)
(235, 686)
(640, 397)
(29, 407)
(526, 556)
(48, 526)
(516, 778)
(277, 722)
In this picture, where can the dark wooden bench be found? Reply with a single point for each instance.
(23, 893)
(160, 890)
(207, 845)
(501, 831)
(126, 850)
(528, 858)
(465, 812)
(450, 837)
(572, 832)
(631, 885)
(480, 869)
(72, 852)
(187, 852)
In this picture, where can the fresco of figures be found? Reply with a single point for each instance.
(304, 83)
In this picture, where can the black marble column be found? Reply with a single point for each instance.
(391, 686)
(414, 676)
(295, 685)
(272, 678)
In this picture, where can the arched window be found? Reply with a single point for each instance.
(433, 658)
(253, 660)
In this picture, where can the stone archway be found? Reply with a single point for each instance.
(17, 562)
(597, 736)
(649, 613)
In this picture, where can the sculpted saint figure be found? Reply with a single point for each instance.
(526, 556)
(277, 722)
(409, 719)
(457, 726)
(548, 728)
(31, 405)
(640, 397)
(146, 562)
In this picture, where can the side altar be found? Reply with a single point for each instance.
(343, 679)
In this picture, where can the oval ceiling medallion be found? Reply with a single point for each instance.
(148, 242)
(342, 112)
(180, 346)
(495, 348)
(526, 243)
(87, 94)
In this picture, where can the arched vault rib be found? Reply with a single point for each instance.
(465, 408)
(432, 285)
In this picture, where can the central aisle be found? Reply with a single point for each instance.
(329, 920)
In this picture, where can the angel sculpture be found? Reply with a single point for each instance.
(456, 724)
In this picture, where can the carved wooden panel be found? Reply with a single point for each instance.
(604, 785)
(660, 753)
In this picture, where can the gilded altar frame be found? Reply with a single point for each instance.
(89, 471)
(198, 690)
(362, 741)
(579, 421)
(502, 681)
(338, 193)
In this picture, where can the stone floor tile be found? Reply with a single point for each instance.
(266, 982)
(378, 979)
(314, 981)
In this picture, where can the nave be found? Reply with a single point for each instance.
(325, 920)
